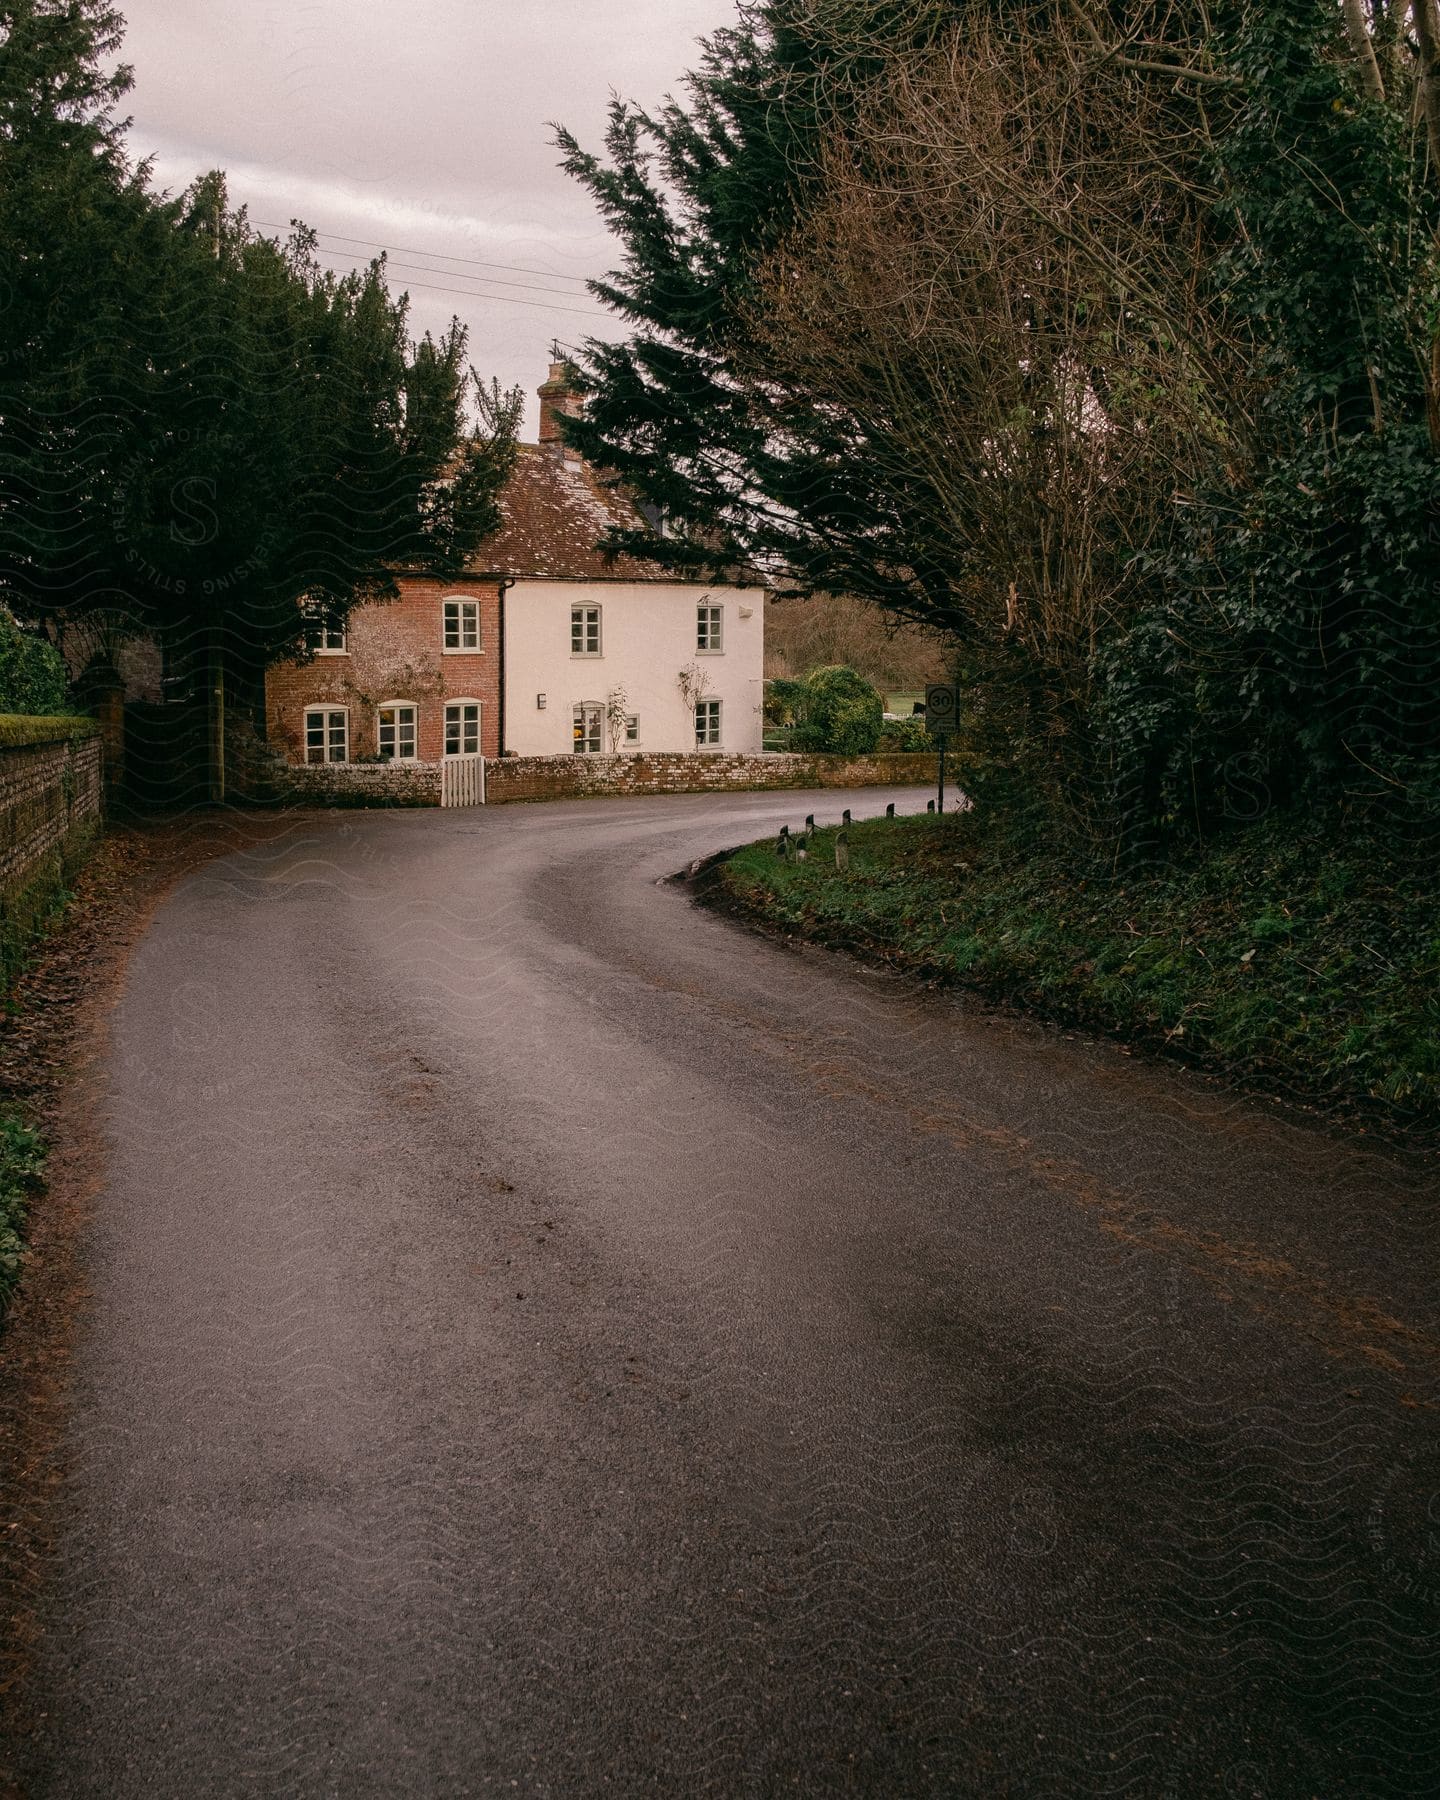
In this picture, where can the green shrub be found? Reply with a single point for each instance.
(32, 672)
(905, 735)
(834, 710)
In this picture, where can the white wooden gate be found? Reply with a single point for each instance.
(462, 781)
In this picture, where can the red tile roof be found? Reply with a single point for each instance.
(556, 511)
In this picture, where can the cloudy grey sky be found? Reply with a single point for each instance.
(420, 126)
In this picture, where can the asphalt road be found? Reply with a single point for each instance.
(549, 1339)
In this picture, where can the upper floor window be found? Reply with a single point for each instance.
(589, 718)
(707, 722)
(327, 734)
(462, 728)
(325, 636)
(584, 630)
(655, 517)
(462, 624)
(395, 730)
(709, 627)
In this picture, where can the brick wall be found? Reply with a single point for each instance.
(395, 651)
(49, 801)
(569, 777)
(46, 790)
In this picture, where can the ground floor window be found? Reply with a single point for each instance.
(707, 722)
(327, 735)
(632, 728)
(588, 716)
(396, 732)
(462, 728)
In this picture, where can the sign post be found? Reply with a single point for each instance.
(942, 709)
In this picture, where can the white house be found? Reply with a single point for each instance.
(540, 648)
(621, 656)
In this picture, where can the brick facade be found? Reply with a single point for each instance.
(395, 652)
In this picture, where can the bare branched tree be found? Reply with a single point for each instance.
(1004, 282)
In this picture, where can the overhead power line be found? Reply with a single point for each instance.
(494, 280)
(476, 294)
(440, 255)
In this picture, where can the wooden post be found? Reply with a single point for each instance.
(216, 705)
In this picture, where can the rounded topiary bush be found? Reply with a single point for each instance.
(843, 712)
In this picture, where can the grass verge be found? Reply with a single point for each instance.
(1290, 957)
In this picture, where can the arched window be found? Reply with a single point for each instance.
(462, 727)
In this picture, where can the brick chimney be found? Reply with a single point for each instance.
(557, 399)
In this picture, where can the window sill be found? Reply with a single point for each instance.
(477, 651)
(317, 654)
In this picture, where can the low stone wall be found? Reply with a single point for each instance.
(578, 777)
(50, 796)
(357, 784)
(700, 771)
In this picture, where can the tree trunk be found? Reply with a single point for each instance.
(1427, 33)
(1358, 26)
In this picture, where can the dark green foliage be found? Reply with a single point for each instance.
(201, 430)
(32, 672)
(1297, 621)
(698, 194)
(832, 710)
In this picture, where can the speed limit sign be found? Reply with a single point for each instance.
(942, 708)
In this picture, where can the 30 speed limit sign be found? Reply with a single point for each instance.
(942, 708)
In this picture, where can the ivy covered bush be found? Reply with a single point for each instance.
(833, 711)
(32, 674)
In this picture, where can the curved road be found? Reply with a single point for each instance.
(549, 1340)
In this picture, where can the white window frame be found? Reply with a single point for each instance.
(713, 722)
(322, 636)
(397, 754)
(709, 631)
(587, 742)
(632, 728)
(462, 700)
(467, 607)
(327, 713)
(581, 621)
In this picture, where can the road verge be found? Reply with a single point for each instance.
(1292, 962)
